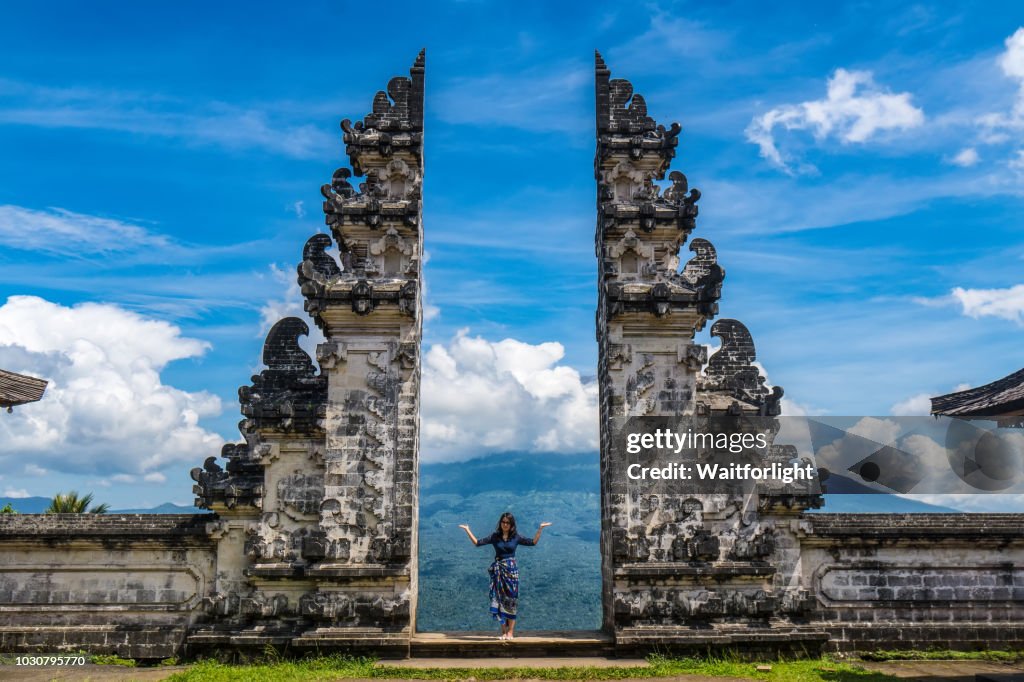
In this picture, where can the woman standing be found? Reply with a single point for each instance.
(503, 572)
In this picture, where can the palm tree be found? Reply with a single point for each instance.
(71, 503)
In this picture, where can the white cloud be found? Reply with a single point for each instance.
(1016, 163)
(853, 111)
(1012, 61)
(996, 125)
(56, 230)
(155, 477)
(481, 396)
(879, 430)
(1005, 303)
(918, 405)
(290, 305)
(966, 158)
(16, 493)
(299, 209)
(106, 409)
(34, 470)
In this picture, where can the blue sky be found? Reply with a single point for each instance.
(861, 169)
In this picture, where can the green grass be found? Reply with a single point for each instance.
(340, 667)
(111, 659)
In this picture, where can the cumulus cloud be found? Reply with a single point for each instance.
(53, 229)
(1005, 303)
(1012, 60)
(917, 405)
(966, 158)
(996, 126)
(853, 110)
(106, 409)
(481, 396)
(878, 430)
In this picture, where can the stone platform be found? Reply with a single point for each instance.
(560, 644)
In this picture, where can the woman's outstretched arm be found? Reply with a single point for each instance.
(536, 538)
(468, 532)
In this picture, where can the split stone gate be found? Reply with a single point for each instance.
(313, 543)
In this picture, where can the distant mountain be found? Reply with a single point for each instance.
(38, 505)
(880, 504)
(26, 505)
(514, 471)
(844, 495)
(165, 508)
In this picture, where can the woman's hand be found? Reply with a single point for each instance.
(545, 524)
(465, 527)
(540, 529)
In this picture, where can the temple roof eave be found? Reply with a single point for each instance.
(19, 389)
(1003, 397)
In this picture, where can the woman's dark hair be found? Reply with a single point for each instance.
(511, 522)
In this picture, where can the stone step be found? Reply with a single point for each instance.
(517, 661)
(529, 643)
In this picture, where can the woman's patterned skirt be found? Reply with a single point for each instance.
(504, 576)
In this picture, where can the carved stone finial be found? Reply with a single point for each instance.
(288, 394)
(623, 123)
(732, 370)
(395, 122)
(317, 264)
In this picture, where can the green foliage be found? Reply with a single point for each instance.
(111, 659)
(71, 503)
(325, 668)
(8, 509)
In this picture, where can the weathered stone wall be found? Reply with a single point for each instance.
(130, 585)
(917, 581)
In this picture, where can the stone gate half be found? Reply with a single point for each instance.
(681, 566)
